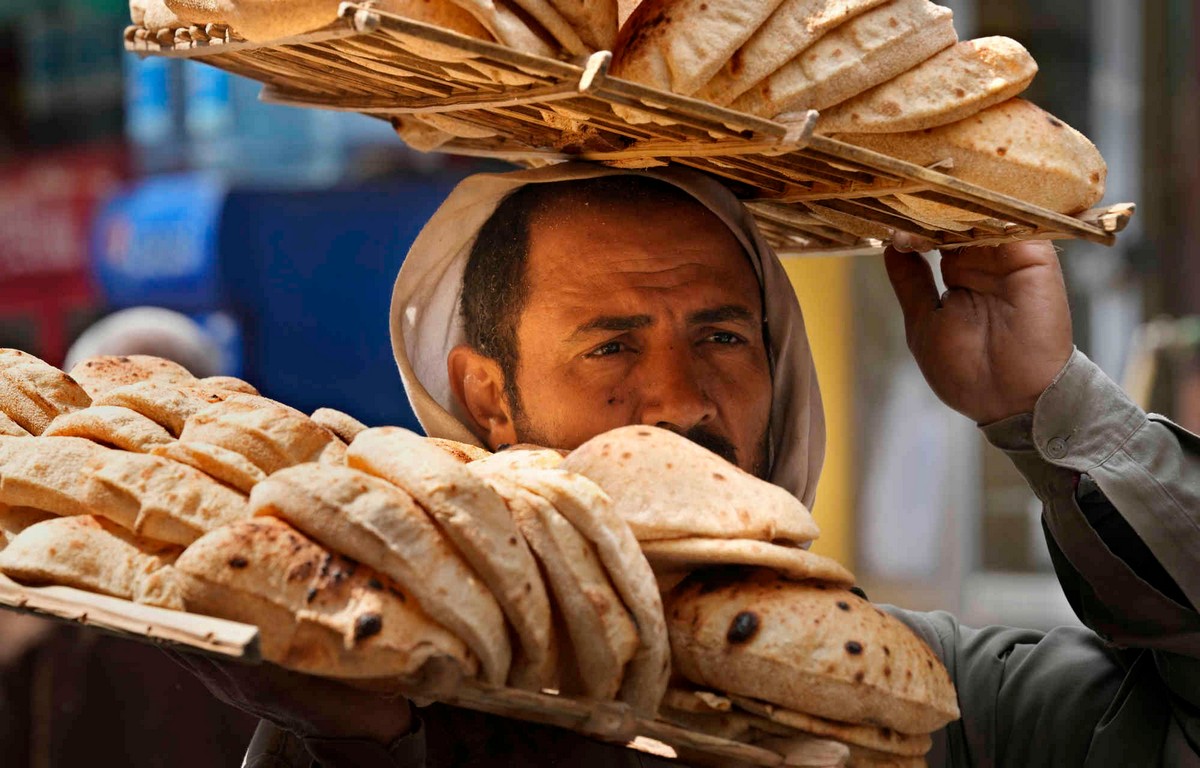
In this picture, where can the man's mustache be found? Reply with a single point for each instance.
(713, 441)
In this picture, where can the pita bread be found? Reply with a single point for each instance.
(229, 467)
(10, 356)
(93, 554)
(168, 405)
(268, 433)
(110, 425)
(953, 85)
(791, 29)
(33, 393)
(509, 24)
(98, 375)
(13, 520)
(519, 457)
(808, 647)
(463, 453)
(595, 21)
(603, 637)
(228, 384)
(870, 49)
(48, 473)
(153, 15)
(159, 498)
(10, 428)
(869, 758)
(1014, 148)
(667, 487)
(478, 523)
(873, 737)
(678, 45)
(380, 525)
(590, 510)
(685, 555)
(345, 426)
(317, 612)
(625, 9)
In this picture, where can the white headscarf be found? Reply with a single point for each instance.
(425, 323)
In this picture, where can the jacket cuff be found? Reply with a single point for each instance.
(1078, 423)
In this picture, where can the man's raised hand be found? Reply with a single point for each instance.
(995, 340)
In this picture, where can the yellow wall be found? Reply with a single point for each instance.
(824, 288)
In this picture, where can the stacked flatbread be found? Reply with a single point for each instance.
(802, 664)
(378, 556)
(888, 75)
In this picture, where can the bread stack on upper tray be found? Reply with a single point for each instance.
(396, 561)
(886, 75)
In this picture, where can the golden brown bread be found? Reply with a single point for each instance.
(1014, 148)
(808, 647)
(667, 487)
(378, 524)
(317, 612)
(110, 425)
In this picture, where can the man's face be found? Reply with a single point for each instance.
(647, 315)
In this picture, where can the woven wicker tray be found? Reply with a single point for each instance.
(812, 195)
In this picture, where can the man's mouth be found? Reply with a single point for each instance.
(713, 441)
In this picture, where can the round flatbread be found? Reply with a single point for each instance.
(94, 554)
(34, 393)
(268, 433)
(463, 453)
(866, 51)
(229, 467)
(48, 473)
(159, 498)
(1014, 148)
(519, 457)
(511, 25)
(13, 520)
(380, 525)
(678, 45)
(10, 428)
(110, 425)
(98, 375)
(953, 85)
(685, 555)
(168, 405)
(477, 521)
(345, 426)
(667, 487)
(603, 637)
(808, 647)
(792, 28)
(317, 612)
(872, 737)
(229, 384)
(590, 511)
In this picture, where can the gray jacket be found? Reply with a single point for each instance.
(1121, 496)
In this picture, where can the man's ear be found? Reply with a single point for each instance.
(478, 384)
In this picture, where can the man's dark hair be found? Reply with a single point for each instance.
(495, 287)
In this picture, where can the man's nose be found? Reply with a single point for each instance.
(673, 392)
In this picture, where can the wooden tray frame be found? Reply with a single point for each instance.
(610, 721)
(366, 62)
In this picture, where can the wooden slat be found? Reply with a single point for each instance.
(201, 633)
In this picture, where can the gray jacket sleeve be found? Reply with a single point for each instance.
(1126, 693)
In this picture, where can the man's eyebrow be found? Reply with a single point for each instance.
(614, 323)
(722, 314)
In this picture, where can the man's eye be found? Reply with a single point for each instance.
(605, 350)
(724, 337)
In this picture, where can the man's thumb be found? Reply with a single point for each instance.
(912, 280)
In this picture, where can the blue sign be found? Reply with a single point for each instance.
(157, 244)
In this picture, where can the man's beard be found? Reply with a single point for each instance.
(699, 434)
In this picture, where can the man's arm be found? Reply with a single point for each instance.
(1126, 556)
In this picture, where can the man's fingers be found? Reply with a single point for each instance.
(912, 280)
(906, 242)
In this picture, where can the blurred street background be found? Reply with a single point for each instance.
(275, 234)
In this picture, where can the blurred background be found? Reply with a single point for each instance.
(274, 234)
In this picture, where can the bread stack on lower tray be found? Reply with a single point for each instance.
(403, 563)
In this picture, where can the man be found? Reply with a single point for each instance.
(547, 306)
